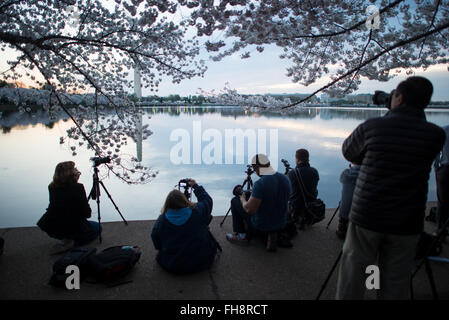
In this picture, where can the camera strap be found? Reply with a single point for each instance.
(297, 172)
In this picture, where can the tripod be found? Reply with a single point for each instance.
(426, 263)
(335, 212)
(95, 195)
(249, 184)
(336, 261)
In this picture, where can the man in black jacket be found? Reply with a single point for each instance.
(387, 213)
(305, 190)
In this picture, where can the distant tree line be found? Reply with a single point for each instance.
(175, 98)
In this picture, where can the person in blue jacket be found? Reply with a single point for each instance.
(348, 179)
(181, 233)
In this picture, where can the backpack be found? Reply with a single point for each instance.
(78, 256)
(113, 263)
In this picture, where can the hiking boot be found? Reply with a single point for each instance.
(237, 239)
(342, 229)
(272, 241)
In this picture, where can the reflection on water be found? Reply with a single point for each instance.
(30, 151)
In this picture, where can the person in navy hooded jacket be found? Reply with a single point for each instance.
(181, 233)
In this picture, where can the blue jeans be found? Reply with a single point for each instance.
(241, 221)
(88, 235)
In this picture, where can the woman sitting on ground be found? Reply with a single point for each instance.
(67, 213)
(181, 233)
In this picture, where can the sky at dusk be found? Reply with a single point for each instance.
(266, 73)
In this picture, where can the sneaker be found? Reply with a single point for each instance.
(63, 246)
(272, 241)
(237, 239)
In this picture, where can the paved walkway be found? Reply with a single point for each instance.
(239, 272)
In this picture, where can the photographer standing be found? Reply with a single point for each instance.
(67, 213)
(266, 210)
(396, 152)
(181, 233)
(348, 179)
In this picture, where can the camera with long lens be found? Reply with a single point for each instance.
(383, 98)
(286, 165)
(99, 160)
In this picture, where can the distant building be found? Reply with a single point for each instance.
(324, 98)
(364, 98)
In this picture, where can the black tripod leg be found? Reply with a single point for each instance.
(431, 279)
(97, 193)
(330, 274)
(327, 227)
(221, 223)
(429, 250)
(110, 198)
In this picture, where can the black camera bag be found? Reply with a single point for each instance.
(78, 256)
(315, 209)
(113, 263)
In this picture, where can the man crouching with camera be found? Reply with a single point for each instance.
(265, 210)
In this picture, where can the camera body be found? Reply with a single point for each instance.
(238, 191)
(286, 165)
(249, 170)
(98, 160)
(383, 98)
(184, 183)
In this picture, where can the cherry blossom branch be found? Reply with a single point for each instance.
(360, 61)
(375, 57)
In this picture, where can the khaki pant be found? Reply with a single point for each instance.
(394, 255)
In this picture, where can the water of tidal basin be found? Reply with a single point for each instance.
(30, 151)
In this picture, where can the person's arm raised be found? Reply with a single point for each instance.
(252, 205)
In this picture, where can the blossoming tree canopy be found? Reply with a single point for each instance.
(70, 47)
(340, 40)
